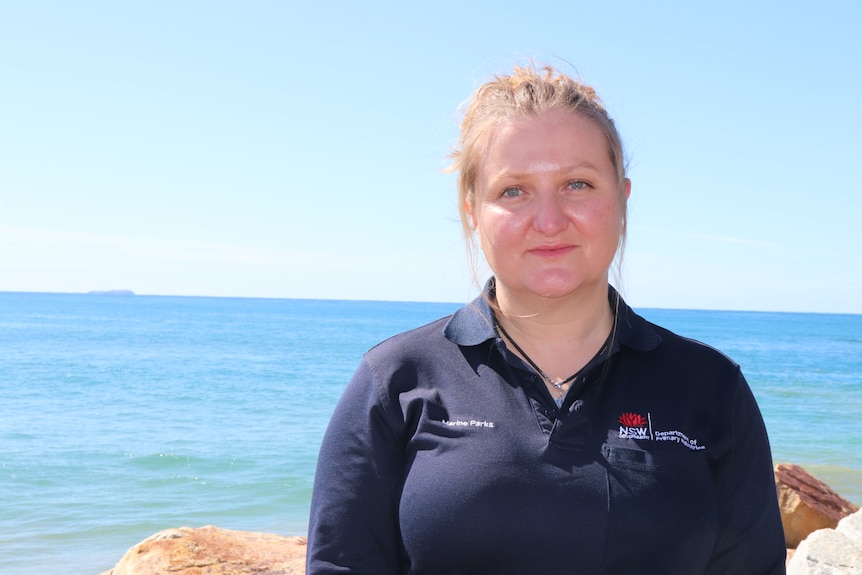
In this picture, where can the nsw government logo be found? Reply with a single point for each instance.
(635, 426)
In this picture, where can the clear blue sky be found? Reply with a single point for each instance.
(286, 149)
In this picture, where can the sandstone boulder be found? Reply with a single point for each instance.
(831, 551)
(807, 504)
(213, 551)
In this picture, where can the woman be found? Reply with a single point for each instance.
(545, 428)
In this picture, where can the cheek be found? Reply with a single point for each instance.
(496, 229)
(601, 218)
(485, 237)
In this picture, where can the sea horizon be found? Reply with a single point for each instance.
(123, 292)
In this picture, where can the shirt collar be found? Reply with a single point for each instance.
(473, 324)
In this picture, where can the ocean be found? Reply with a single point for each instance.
(121, 416)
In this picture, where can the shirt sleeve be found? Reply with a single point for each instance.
(353, 525)
(751, 538)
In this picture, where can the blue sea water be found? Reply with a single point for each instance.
(124, 415)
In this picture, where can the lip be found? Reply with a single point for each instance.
(551, 251)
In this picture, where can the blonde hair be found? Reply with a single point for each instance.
(527, 92)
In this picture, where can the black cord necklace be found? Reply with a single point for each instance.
(558, 384)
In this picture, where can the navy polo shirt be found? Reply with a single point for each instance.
(447, 455)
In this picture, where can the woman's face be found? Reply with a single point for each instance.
(546, 206)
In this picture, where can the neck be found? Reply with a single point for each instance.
(574, 316)
(560, 334)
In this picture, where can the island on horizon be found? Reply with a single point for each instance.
(111, 292)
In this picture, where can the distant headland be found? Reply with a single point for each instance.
(111, 292)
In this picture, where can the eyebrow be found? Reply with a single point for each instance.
(548, 167)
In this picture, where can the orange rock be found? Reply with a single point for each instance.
(807, 504)
(213, 551)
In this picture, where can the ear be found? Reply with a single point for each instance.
(628, 185)
(472, 216)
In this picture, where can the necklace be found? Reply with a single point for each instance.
(558, 384)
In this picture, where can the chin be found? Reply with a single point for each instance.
(554, 291)
(568, 287)
(555, 294)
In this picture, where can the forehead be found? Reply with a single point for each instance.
(545, 142)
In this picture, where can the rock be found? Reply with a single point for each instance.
(831, 551)
(213, 551)
(807, 504)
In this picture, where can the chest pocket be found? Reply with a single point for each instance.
(662, 516)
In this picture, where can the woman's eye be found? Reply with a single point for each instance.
(577, 185)
(511, 192)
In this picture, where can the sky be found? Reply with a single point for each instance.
(298, 150)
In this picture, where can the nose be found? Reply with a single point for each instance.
(549, 217)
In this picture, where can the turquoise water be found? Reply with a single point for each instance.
(124, 415)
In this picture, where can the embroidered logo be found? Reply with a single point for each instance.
(468, 423)
(636, 426)
(679, 437)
